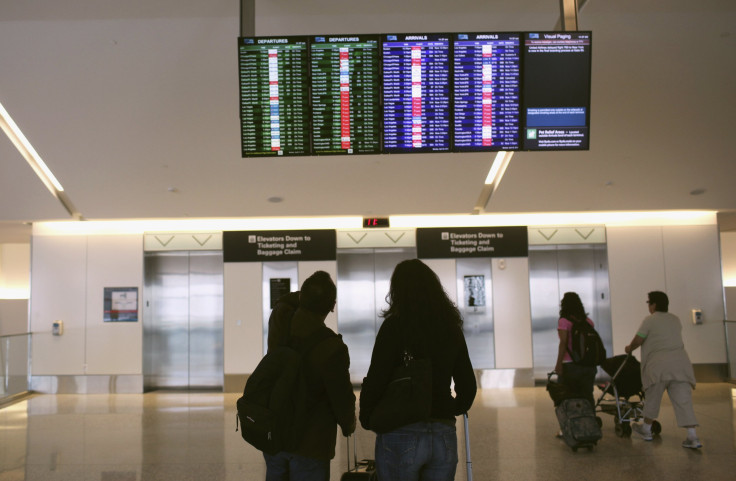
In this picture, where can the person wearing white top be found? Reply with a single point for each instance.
(664, 365)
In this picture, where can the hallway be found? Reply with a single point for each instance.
(191, 436)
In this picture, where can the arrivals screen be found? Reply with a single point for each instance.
(487, 89)
(406, 93)
(556, 104)
(416, 93)
(274, 96)
(345, 88)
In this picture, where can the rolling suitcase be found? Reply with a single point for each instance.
(579, 424)
(364, 470)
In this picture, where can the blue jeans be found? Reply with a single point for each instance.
(424, 451)
(285, 466)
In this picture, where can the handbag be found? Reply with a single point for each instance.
(407, 398)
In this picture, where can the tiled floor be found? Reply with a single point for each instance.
(191, 436)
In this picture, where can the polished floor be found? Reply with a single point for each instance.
(191, 436)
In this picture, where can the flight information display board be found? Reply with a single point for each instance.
(346, 110)
(486, 91)
(416, 93)
(556, 101)
(274, 96)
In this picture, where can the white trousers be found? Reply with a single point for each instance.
(681, 397)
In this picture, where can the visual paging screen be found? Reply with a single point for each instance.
(556, 100)
(407, 93)
(486, 91)
(416, 93)
(345, 91)
(274, 96)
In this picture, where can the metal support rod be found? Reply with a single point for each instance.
(468, 462)
(569, 15)
(247, 18)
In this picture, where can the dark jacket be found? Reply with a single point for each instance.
(450, 361)
(330, 396)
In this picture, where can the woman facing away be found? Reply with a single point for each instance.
(576, 378)
(423, 320)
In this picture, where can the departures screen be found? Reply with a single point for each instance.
(345, 87)
(414, 93)
(556, 100)
(274, 96)
(487, 88)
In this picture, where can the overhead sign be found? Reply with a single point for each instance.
(458, 242)
(279, 245)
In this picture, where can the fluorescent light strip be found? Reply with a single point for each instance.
(28, 152)
(495, 167)
(655, 218)
(124, 227)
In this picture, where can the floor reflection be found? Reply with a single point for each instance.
(191, 436)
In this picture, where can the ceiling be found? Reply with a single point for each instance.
(134, 107)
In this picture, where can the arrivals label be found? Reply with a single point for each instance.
(459, 242)
(279, 245)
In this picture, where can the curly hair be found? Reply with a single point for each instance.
(571, 307)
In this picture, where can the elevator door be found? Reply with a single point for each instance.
(363, 279)
(554, 270)
(183, 321)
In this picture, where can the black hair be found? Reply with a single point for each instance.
(571, 307)
(417, 298)
(660, 300)
(318, 293)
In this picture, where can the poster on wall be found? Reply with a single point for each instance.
(279, 287)
(475, 292)
(121, 304)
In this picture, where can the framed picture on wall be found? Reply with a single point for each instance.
(121, 304)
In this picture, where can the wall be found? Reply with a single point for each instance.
(682, 261)
(70, 271)
(15, 261)
(69, 276)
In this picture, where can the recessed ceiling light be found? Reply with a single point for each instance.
(275, 199)
(697, 192)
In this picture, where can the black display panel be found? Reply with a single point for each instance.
(346, 109)
(556, 100)
(274, 96)
(486, 91)
(416, 93)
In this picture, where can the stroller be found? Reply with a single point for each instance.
(617, 394)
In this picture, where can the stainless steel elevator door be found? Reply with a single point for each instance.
(183, 321)
(363, 279)
(554, 270)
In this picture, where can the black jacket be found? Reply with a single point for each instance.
(330, 396)
(450, 361)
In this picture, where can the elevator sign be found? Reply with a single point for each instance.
(279, 245)
(459, 242)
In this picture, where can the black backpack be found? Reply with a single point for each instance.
(587, 346)
(272, 410)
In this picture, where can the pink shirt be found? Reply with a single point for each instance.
(566, 325)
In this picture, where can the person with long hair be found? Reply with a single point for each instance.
(576, 378)
(422, 320)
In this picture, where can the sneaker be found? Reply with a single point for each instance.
(646, 434)
(693, 443)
